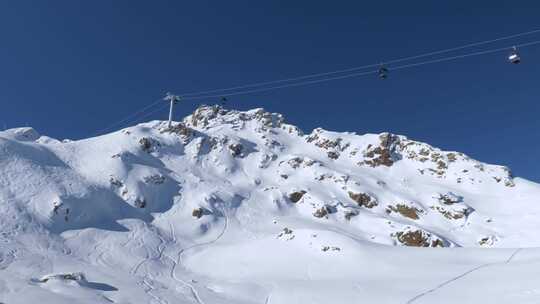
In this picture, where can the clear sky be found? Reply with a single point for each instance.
(71, 68)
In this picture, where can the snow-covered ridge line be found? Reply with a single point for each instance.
(378, 168)
(227, 185)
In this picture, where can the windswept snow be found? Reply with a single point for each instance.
(241, 207)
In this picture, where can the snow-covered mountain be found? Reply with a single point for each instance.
(241, 207)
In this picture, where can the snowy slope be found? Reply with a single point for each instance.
(241, 207)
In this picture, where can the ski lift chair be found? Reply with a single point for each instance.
(383, 72)
(514, 57)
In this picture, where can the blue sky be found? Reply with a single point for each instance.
(71, 68)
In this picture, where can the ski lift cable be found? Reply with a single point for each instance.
(130, 117)
(284, 85)
(364, 73)
(156, 110)
(463, 46)
(190, 95)
(364, 66)
(159, 109)
(522, 45)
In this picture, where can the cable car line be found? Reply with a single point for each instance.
(466, 55)
(158, 109)
(378, 71)
(364, 66)
(129, 117)
(363, 73)
(161, 108)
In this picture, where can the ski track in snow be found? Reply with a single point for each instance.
(159, 255)
(178, 261)
(508, 260)
(150, 289)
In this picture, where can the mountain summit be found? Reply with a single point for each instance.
(184, 213)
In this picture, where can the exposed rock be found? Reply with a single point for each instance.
(297, 162)
(488, 241)
(204, 113)
(206, 116)
(148, 144)
(452, 206)
(295, 197)
(384, 154)
(198, 212)
(418, 238)
(286, 234)
(509, 183)
(424, 152)
(330, 248)
(269, 120)
(450, 198)
(179, 129)
(333, 146)
(140, 203)
(317, 137)
(323, 176)
(451, 157)
(509, 178)
(333, 154)
(404, 210)
(156, 179)
(321, 212)
(441, 165)
(292, 129)
(236, 149)
(115, 182)
(363, 199)
(453, 214)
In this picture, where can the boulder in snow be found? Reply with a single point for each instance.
(363, 199)
(418, 238)
(295, 197)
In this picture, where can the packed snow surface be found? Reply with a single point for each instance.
(241, 207)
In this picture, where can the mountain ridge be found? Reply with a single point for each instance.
(159, 205)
